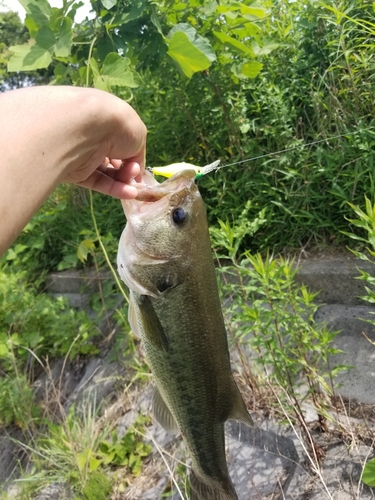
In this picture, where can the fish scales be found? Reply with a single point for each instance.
(175, 309)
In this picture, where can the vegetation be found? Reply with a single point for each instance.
(313, 72)
(283, 94)
(271, 322)
(76, 452)
(366, 222)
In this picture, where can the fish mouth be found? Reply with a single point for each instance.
(157, 197)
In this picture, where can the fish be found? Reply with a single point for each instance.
(165, 259)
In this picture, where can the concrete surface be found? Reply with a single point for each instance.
(335, 278)
(357, 351)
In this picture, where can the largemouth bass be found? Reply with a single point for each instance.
(165, 259)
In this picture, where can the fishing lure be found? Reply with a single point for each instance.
(172, 169)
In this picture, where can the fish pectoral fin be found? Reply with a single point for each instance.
(132, 318)
(239, 411)
(162, 413)
(152, 327)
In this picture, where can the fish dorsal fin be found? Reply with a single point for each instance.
(239, 411)
(162, 413)
(153, 330)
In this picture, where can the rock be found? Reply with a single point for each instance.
(261, 462)
(10, 454)
(54, 491)
(340, 476)
(357, 383)
(335, 278)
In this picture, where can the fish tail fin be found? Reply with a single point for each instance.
(211, 490)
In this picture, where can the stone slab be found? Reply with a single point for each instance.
(335, 279)
(359, 382)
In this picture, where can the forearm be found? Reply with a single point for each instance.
(49, 134)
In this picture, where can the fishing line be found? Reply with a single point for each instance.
(293, 148)
(174, 168)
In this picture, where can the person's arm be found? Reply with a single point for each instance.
(50, 135)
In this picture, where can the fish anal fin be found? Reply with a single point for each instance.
(239, 411)
(162, 413)
(211, 490)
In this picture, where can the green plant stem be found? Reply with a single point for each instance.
(104, 250)
(89, 59)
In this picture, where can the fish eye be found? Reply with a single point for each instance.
(179, 216)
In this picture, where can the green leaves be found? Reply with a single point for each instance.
(38, 10)
(45, 38)
(368, 475)
(249, 69)
(28, 58)
(234, 43)
(108, 4)
(97, 55)
(189, 50)
(129, 451)
(64, 40)
(52, 33)
(42, 7)
(115, 72)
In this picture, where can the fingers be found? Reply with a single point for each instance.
(127, 139)
(103, 183)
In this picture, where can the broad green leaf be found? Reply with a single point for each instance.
(155, 21)
(45, 38)
(368, 475)
(11, 254)
(108, 4)
(209, 7)
(198, 41)
(84, 248)
(104, 47)
(234, 43)
(28, 58)
(267, 48)
(42, 5)
(116, 72)
(231, 15)
(187, 55)
(94, 464)
(222, 9)
(38, 10)
(82, 458)
(4, 351)
(251, 69)
(31, 25)
(64, 40)
(254, 9)
(126, 17)
(94, 67)
(246, 30)
(179, 6)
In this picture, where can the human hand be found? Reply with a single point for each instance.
(115, 176)
(50, 135)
